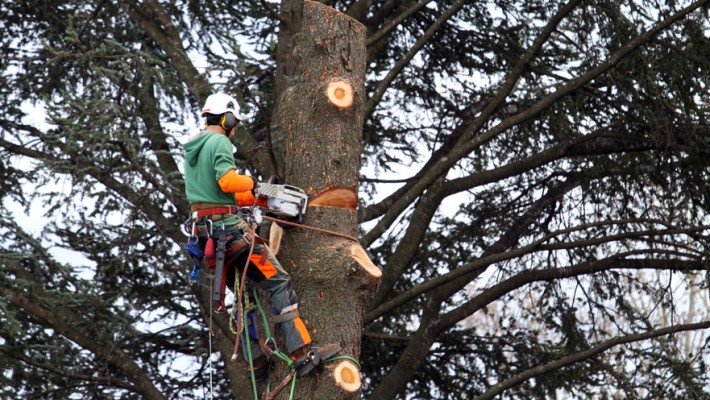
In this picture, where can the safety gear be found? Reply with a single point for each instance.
(220, 103)
(226, 106)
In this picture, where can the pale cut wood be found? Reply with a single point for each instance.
(276, 233)
(347, 376)
(360, 255)
(335, 196)
(340, 93)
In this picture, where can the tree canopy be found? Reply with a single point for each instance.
(533, 184)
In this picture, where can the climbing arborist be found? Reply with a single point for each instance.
(216, 191)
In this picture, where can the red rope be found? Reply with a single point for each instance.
(240, 306)
(342, 235)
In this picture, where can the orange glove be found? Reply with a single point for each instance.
(246, 199)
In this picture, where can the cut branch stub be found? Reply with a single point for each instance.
(360, 256)
(335, 196)
(340, 93)
(347, 376)
(276, 233)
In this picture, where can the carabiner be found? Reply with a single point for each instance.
(208, 227)
(273, 342)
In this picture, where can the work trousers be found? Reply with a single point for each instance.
(264, 270)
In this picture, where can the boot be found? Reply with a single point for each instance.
(307, 360)
(262, 366)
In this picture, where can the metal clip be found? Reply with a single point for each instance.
(208, 226)
(273, 343)
(193, 230)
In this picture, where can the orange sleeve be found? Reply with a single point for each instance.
(232, 182)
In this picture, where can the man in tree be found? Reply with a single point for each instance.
(215, 192)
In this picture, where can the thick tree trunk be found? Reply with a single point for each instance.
(322, 148)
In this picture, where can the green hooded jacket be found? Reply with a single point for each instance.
(208, 157)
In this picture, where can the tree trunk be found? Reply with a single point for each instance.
(322, 148)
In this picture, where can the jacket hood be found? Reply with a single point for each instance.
(195, 145)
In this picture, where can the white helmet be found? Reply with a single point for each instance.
(220, 103)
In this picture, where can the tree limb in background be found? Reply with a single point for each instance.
(587, 354)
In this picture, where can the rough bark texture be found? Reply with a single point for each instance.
(322, 148)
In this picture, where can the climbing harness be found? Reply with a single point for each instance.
(239, 318)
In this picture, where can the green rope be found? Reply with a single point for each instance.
(336, 358)
(267, 332)
(293, 387)
(276, 351)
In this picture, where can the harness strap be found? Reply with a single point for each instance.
(220, 272)
(286, 317)
(205, 206)
(216, 210)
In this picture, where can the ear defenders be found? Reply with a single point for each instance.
(228, 121)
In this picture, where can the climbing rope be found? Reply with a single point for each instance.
(239, 324)
(313, 228)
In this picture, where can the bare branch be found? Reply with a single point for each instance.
(586, 354)
(385, 83)
(400, 200)
(397, 202)
(385, 30)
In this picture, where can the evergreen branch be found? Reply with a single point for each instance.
(167, 37)
(586, 145)
(139, 168)
(678, 50)
(526, 277)
(411, 241)
(433, 324)
(480, 264)
(393, 205)
(397, 202)
(587, 354)
(224, 339)
(154, 213)
(108, 381)
(493, 254)
(275, 15)
(391, 25)
(64, 322)
(405, 60)
(164, 33)
(150, 114)
(384, 336)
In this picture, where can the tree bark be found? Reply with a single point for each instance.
(322, 148)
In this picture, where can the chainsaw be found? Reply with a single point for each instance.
(283, 201)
